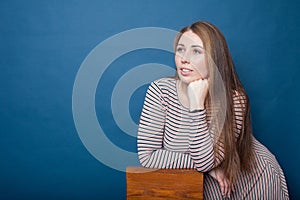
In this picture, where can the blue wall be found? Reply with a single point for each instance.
(43, 43)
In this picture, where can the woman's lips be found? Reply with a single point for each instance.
(185, 71)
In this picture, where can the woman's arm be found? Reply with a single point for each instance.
(151, 132)
(202, 143)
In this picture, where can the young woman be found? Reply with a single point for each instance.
(201, 119)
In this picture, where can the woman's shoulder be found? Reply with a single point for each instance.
(167, 82)
(239, 94)
(164, 86)
(240, 98)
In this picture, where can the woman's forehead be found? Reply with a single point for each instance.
(189, 38)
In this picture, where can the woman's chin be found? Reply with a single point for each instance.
(187, 80)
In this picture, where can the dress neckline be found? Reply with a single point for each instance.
(177, 95)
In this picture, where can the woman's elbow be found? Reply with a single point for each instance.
(201, 167)
(143, 159)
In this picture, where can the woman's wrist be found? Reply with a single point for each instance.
(196, 106)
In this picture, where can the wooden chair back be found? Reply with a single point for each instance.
(163, 184)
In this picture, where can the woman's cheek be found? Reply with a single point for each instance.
(202, 69)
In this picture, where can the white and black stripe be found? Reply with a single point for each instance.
(170, 137)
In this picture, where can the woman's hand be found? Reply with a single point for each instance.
(197, 92)
(218, 174)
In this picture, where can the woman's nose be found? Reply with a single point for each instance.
(185, 57)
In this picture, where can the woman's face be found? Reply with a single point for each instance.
(190, 58)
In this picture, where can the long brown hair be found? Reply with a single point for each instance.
(238, 151)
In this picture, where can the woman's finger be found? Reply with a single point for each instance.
(222, 186)
(225, 188)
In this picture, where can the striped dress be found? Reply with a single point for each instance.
(169, 137)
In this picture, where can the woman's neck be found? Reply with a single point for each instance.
(182, 93)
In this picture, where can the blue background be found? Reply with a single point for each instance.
(43, 43)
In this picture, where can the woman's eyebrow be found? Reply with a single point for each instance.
(197, 46)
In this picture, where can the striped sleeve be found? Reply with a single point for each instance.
(155, 131)
(151, 152)
(201, 141)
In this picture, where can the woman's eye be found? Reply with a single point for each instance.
(197, 51)
(180, 50)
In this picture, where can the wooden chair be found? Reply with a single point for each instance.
(163, 184)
